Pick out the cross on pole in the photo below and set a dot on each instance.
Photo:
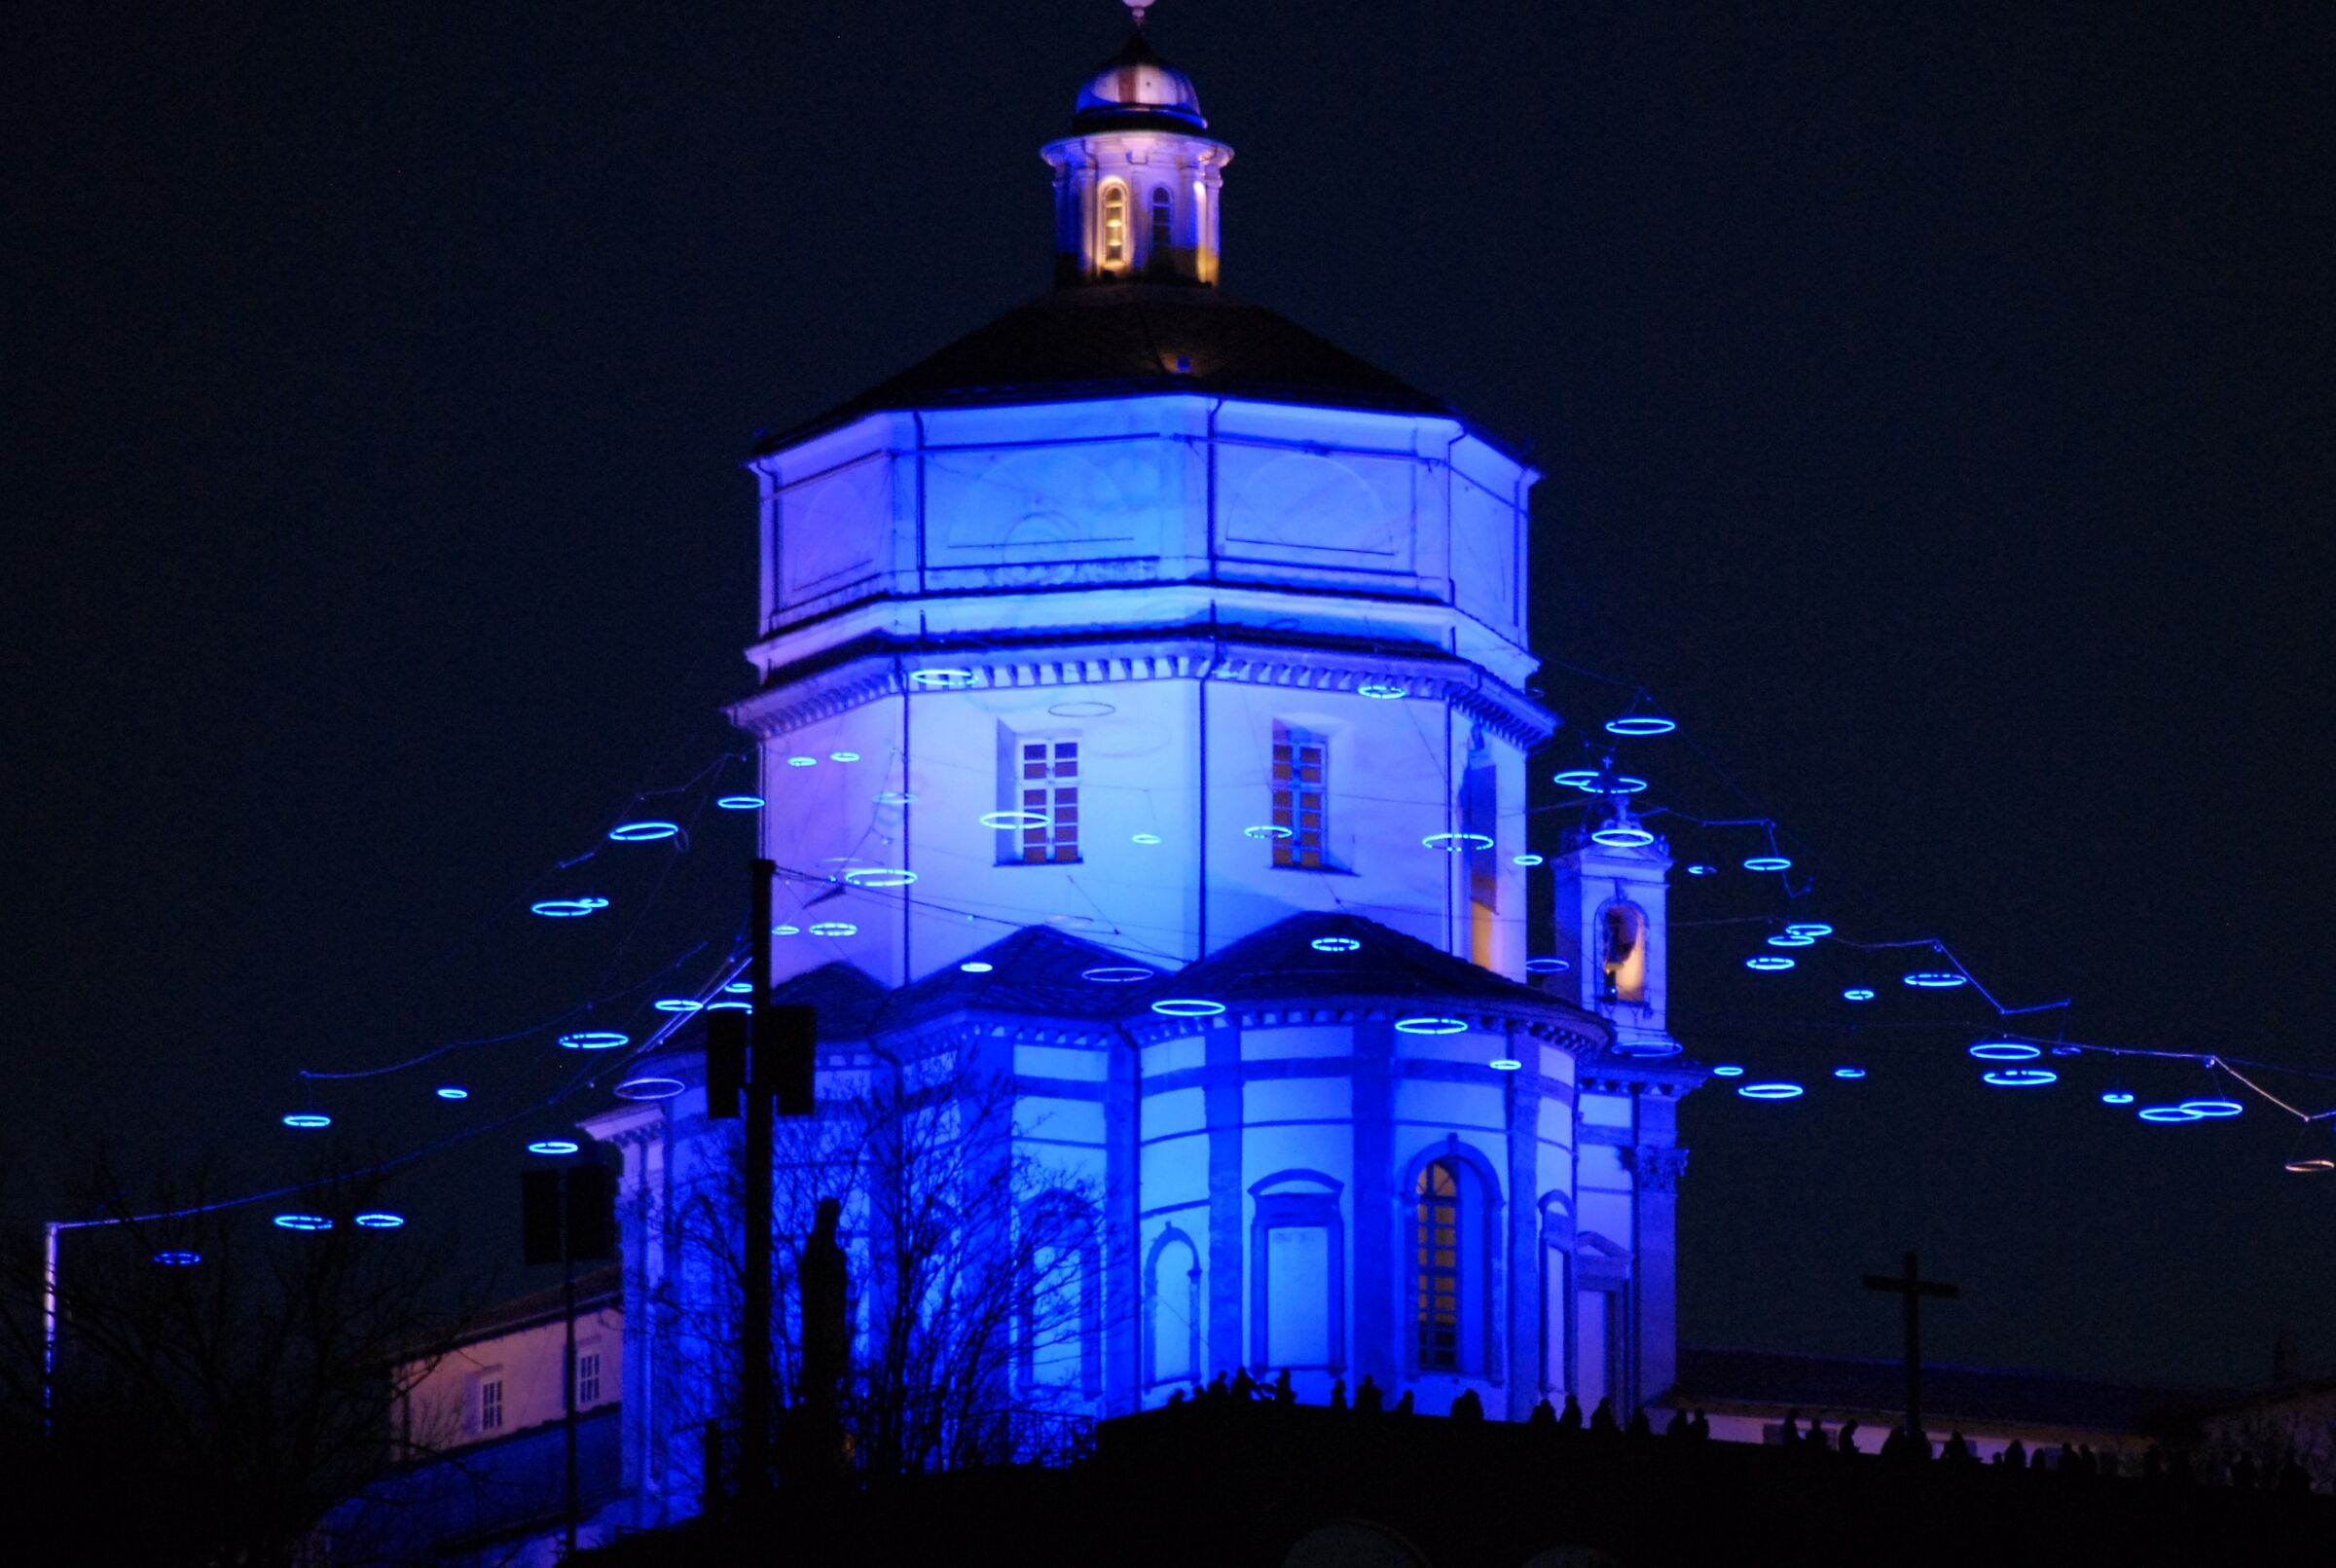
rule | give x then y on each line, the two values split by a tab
1913	1286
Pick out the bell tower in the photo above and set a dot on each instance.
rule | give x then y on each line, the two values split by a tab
1136	183
1613	884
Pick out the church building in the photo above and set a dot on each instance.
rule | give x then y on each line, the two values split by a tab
1143	715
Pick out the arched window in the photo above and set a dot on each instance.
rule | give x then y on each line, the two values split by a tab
1115	224
1623	953
1436	1271
1162	225
1172	1310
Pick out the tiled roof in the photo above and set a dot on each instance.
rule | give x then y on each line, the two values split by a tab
1037	970
1117	340
1282	964
848	999
1972	1395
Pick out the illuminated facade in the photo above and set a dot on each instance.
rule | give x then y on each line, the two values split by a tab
1140	648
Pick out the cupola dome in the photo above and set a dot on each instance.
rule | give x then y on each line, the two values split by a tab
1136	90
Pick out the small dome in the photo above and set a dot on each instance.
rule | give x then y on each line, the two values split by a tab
1136	90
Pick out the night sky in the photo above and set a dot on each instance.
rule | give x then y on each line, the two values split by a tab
1935	411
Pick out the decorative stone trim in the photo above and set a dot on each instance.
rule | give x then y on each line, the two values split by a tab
1657	1166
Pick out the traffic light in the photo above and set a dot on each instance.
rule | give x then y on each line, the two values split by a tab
725	1063
539	1206
591	1212
787	1041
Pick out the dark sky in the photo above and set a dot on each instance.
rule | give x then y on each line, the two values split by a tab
1935	409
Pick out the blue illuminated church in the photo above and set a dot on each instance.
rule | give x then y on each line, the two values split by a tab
1143	710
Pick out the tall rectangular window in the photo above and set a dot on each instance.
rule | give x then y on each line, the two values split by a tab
491	1403
588	1377
1300	797
1044	792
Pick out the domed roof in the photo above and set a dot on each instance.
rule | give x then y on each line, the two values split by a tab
1136	90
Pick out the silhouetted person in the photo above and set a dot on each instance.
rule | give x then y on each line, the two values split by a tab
1543	1417
2038	1460
1217	1386
1245	1387
1402	1406
1848	1438
1284	1393
1957	1450
1338	1394
1601	1419
1369	1399
1699	1428
2088	1462
2015	1455
1676	1427
1176	1399
1569	1419
1467	1406
1893	1447
2064	1466
1815	1440
1640	1426
1790	1436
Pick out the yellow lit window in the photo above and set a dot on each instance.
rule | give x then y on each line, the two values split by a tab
1114	225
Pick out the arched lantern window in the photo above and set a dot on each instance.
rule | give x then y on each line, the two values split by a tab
1115	224
1623	953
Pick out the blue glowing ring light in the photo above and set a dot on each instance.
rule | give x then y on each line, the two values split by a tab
729	1007
178	1260
1640	724
1615	784
567	908
834	927
1187	1008
1848	1071
643	832
801	761
1267	830
1574	778
943	679
1528	861
379	1219
648	1089
787	930
676	1004
1811	929
2116	1097
1115	973
1788	939
1934	980
1727	1070
306	1119
1768	862
843	756
1429	1024
1769	963
2005	1050
1014	819
1547	964
977	966
1505	1064
2213	1108
740	802
1857	993
2168	1114
552	1145
304	1222
1457	843
1145	838
1623	838
1385	691
1334	944
452	1091
593	1040
1772	1090
1698	869
740	988
895	797
880	876
2019	1077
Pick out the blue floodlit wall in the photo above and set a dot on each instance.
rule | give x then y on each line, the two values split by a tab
1177	585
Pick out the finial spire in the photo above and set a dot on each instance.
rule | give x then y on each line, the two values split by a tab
1136	10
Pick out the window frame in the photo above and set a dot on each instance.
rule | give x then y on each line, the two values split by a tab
1112	252
1431	1278
1289	792
1019	792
